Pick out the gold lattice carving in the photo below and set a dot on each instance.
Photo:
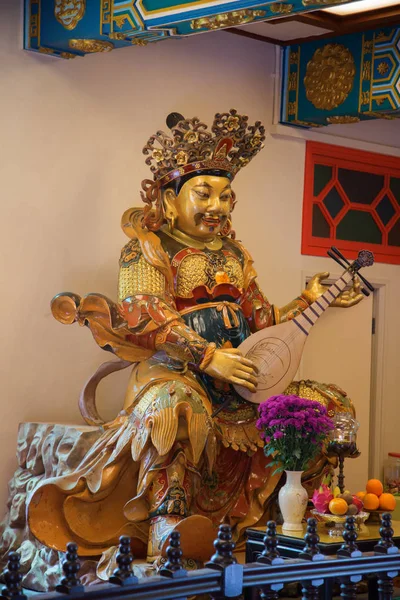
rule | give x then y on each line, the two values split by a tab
329	76
292	106
140	278
91	46
69	12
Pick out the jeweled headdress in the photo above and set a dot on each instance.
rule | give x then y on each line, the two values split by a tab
191	148
229	146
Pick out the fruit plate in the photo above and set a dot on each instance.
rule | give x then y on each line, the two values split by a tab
335	523
375	516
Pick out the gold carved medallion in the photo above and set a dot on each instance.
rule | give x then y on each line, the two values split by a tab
69	12
329	76
89	46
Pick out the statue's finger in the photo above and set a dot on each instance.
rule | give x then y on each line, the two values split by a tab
322	276
243	383
249	363
246	376
246	369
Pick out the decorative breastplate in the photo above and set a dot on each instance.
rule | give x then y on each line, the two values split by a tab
202	268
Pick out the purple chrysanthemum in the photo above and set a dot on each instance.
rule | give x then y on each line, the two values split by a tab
294	430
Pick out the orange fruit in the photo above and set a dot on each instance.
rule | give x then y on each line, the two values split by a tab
338	506
361	495
387	502
371	501
374	486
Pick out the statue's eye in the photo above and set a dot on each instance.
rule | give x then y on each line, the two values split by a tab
226	197
203	195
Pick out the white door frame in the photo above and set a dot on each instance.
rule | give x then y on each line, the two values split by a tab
378	360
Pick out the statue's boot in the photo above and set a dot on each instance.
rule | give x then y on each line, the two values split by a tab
197	537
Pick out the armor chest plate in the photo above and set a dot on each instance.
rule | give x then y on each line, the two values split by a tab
196	268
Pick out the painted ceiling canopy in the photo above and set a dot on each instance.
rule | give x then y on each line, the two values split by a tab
69	28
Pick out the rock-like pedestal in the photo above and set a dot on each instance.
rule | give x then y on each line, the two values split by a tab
43	450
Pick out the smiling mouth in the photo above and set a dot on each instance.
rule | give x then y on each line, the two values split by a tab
210	221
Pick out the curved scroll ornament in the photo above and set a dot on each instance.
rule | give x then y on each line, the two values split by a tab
330	76
69	12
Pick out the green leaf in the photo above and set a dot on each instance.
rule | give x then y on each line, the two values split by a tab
269	451
277	470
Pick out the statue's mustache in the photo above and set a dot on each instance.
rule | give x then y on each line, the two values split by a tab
199	216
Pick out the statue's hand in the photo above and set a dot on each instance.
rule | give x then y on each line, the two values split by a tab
229	365
315	289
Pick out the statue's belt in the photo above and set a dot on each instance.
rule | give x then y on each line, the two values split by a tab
228	310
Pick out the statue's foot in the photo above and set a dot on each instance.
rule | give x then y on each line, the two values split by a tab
197	536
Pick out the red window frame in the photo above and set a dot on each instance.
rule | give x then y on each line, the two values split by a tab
359	160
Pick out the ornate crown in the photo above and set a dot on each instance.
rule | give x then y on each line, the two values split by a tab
229	146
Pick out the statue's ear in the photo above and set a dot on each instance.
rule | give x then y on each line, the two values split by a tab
169	198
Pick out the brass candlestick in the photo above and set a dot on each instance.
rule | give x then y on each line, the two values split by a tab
342	442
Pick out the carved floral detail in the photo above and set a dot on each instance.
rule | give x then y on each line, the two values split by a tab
91	46
281	8
342	119
383	68
230	19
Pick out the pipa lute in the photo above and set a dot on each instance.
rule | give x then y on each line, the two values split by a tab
277	350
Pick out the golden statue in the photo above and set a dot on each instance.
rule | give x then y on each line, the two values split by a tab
184	453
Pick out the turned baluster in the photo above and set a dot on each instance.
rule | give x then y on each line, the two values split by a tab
12	578
224	560
270	556
386	546
174	566
70	583
348	584
123	574
310	588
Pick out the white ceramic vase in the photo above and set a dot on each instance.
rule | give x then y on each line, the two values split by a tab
293	500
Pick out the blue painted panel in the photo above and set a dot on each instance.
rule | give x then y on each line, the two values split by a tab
315	72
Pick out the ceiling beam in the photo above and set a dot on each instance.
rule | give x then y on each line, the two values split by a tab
316	18
254	36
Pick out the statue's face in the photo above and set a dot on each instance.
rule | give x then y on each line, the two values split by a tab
202	207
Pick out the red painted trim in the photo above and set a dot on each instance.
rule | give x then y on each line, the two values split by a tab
347	158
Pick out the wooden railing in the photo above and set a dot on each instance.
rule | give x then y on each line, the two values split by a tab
223	577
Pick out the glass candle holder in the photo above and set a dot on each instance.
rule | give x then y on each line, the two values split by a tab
343	442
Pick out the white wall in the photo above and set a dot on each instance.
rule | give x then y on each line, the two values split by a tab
71	163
